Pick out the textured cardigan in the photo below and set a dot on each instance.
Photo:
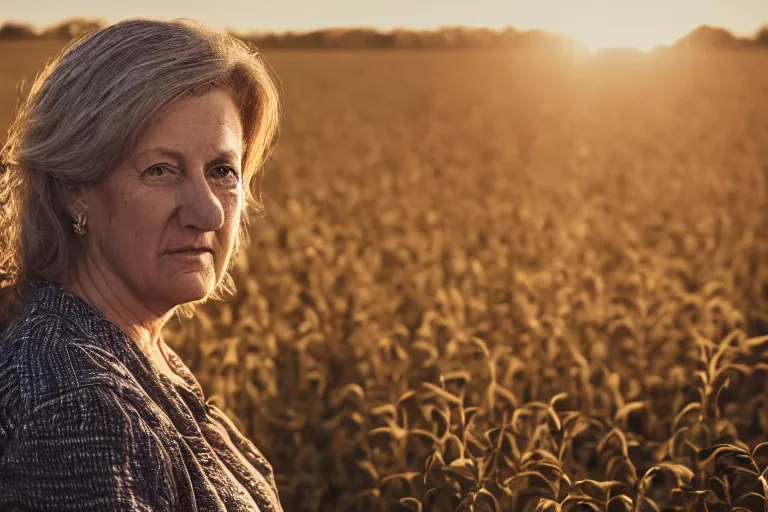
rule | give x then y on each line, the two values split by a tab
88	422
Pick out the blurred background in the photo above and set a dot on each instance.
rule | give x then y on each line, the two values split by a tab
514	256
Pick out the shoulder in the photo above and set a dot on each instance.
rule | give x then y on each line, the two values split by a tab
87	449
43	355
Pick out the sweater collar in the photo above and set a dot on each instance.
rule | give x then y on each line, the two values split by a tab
54	297
57	298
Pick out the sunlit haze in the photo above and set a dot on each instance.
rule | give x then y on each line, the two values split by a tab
640	24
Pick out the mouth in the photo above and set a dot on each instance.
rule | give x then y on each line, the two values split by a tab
192	252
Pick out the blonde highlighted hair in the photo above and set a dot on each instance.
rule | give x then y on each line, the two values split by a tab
86	111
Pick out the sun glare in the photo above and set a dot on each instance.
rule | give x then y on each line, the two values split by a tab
609	38
597	42
604	24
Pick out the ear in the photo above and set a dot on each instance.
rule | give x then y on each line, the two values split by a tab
75	202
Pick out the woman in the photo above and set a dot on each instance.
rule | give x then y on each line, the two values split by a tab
126	181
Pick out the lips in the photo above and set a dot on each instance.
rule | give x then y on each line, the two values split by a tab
192	250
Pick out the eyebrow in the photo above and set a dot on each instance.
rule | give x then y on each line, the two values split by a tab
223	157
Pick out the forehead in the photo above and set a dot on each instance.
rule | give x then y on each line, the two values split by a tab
211	118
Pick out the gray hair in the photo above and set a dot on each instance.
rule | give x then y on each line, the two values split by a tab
86	111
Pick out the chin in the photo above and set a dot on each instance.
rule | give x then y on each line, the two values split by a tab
190	288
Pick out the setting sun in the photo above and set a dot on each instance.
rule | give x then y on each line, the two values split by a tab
642	37
642	25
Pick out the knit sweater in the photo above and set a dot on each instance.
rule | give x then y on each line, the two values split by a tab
89	422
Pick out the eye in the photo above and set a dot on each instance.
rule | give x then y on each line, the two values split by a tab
224	172
157	170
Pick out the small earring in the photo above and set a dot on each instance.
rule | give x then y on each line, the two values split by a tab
79	226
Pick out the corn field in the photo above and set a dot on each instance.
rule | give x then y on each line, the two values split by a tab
501	282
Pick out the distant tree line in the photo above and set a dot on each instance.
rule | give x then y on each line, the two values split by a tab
703	37
65	30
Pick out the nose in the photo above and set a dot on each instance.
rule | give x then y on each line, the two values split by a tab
200	207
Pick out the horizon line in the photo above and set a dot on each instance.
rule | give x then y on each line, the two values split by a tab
388	28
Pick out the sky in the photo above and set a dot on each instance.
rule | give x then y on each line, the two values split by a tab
639	24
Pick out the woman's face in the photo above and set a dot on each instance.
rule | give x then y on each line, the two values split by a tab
180	188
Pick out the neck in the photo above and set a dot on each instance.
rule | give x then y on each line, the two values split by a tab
114	299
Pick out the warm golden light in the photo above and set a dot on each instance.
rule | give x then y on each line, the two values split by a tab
613	37
640	25
598	24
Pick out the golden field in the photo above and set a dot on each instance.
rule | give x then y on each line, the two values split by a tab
496	281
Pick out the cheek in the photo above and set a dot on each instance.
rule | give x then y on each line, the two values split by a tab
233	210
139	220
